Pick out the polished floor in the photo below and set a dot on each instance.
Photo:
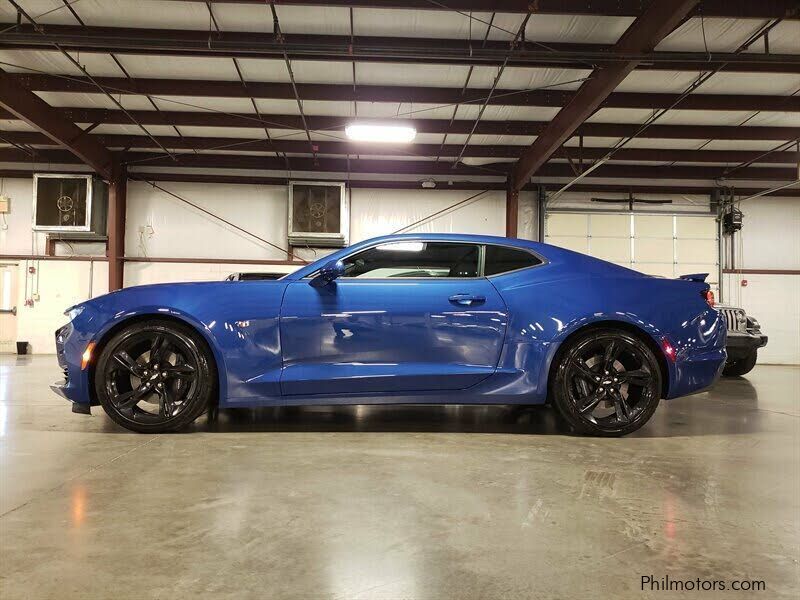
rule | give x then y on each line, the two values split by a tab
398	502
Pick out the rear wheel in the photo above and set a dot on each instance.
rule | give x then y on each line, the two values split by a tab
155	376
607	383
742	366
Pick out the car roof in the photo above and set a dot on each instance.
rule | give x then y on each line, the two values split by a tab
546	251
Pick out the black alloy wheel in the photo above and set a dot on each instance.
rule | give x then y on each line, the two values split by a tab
608	383
155	376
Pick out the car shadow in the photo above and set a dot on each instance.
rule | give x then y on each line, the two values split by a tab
509	419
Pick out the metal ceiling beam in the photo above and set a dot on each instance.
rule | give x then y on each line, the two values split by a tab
736	157
194	177
644	34
27	106
332	125
383	93
243	44
762	9
401	167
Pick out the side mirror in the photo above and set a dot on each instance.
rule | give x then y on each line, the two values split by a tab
329	271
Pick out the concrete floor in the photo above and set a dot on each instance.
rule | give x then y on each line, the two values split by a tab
398	502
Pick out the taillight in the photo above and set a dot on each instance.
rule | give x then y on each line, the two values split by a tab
708	295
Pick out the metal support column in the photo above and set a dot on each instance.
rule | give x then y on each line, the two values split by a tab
117	203
512	212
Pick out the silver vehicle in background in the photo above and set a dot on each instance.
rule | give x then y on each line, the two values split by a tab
744	340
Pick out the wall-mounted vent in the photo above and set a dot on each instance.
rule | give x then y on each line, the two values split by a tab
319	214
68	203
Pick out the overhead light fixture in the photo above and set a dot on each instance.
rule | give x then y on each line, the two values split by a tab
371	132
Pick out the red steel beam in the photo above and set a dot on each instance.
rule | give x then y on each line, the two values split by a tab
761	9
421	150
383	93
27	106
643	35
332	124
248	44
117	207
405	167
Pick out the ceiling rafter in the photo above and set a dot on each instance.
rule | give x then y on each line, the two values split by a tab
332	126
785	156
27	106
243	44
763	9
403	167
642	35
388	93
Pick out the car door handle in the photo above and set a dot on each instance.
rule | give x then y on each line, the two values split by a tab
467	299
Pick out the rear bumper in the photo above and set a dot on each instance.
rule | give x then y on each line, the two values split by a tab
740	345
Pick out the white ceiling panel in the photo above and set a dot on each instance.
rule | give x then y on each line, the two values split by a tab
516	113
43	11
409	74
762	145
129	129
201	104
777	84
232	132
784	38
416	23
178	67
781	119
721	35
27	61
578	28
491	140
620	115
94	100
704	117
657	81
310	107
519	78
9	125
142	13
659	144
329	20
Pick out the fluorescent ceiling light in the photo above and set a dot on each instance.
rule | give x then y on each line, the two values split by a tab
365	132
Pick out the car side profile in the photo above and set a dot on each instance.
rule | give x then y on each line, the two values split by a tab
438	318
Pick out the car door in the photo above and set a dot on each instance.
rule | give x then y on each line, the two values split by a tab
405	317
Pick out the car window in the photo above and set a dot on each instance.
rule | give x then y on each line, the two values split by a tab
501	259
399	260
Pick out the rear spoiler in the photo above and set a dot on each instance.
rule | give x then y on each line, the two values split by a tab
699	277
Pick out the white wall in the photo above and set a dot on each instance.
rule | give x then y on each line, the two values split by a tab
161	226
770	240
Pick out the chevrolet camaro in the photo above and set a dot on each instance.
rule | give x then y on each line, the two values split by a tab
453	319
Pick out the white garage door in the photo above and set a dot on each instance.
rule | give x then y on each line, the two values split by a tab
666	245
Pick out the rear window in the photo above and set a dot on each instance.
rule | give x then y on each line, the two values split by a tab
502	259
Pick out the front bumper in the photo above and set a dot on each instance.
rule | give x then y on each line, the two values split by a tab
74	386
740	345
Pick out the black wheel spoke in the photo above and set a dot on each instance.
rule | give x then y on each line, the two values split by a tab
166	405
128	400
125	359
588	403
158	348
621	409
638	377
584	370
180	372
610	355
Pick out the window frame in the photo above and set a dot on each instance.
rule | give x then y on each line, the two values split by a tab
481	262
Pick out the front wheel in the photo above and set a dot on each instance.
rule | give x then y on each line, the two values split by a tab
742	366
155	376
607	383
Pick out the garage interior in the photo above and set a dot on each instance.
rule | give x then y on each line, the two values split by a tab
660	136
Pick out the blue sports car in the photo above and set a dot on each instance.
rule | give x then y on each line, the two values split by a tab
459	319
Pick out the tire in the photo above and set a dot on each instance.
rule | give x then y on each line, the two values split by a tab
742	366
155	376
607	383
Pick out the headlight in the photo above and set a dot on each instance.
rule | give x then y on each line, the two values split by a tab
72	312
